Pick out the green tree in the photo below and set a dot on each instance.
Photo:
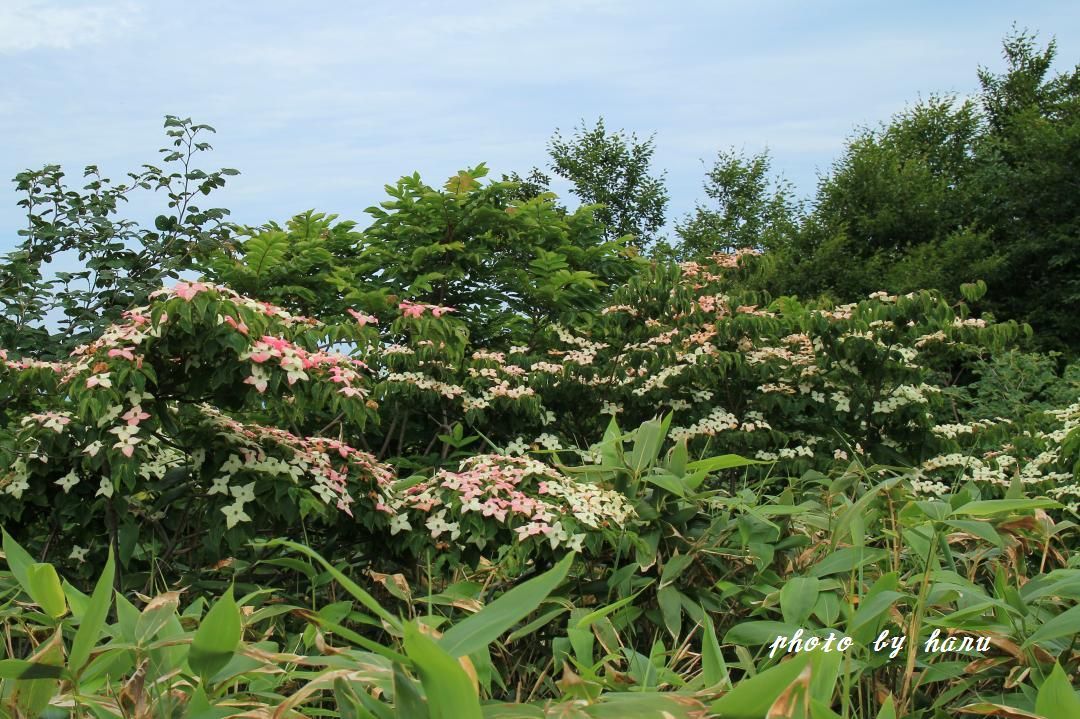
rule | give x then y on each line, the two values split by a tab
896	211
49	313
1029	162
753	208
508	266
308	266
613	170
950	191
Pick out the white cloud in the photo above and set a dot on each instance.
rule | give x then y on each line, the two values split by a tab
31	24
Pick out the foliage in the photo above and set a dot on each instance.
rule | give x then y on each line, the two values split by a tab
536	475
752	210
612	170
50	314
164	431
307	267
507	266
950	192
1028	154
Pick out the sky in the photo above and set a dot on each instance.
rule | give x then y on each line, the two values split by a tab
320	104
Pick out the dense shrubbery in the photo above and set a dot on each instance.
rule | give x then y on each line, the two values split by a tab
549	478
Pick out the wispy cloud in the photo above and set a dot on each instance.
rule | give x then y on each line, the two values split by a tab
32	24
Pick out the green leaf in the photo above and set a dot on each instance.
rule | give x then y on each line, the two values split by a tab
982	530
18	560
217	638
989	507
587	620
93	619
265	251
1063	625
888	709
723	461
155	615
46	590
670	600
1056	698
713	667
647	441
496	618
33	695
450	693
22	669
755	633
798	597
751	698
846	560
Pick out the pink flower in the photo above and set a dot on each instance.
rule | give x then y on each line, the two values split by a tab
124	352
259	357
440	311
240	327
135	415
258	381
276	342
188	290
362	319
411	309
98	380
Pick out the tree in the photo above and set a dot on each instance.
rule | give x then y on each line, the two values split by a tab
896	212
754	210
509	267
949	192
1028	165
613	169
123	262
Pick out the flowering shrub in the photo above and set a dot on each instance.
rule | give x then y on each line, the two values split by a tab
167	425
1039	455
170	427
497	502
782	381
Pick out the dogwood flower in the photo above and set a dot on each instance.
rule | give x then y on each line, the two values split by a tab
220	485
234	513
68	481
105	488
244	494
98	380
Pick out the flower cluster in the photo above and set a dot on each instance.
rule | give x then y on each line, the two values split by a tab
493	494
295	361
416	309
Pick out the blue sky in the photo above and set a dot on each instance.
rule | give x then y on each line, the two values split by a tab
319	104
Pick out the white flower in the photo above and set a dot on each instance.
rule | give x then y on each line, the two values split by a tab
232	465
78	553
16	488
219	486
400	523
93	448
610	408
234	513
112	413
68	481
518	446
325	493
105	488
549	441
244	494
438	524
